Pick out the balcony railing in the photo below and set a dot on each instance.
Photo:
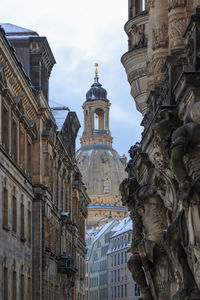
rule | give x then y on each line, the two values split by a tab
66	265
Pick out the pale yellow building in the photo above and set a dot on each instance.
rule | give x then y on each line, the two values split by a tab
101	166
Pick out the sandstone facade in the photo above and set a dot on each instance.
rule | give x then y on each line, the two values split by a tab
100	165
162	190
43	203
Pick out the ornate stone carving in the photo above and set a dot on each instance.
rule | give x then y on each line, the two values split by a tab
176	3
176	28
147	211
160	37
136	36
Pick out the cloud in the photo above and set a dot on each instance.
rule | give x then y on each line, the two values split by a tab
81	33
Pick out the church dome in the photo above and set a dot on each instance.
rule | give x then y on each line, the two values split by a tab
96	92
102	170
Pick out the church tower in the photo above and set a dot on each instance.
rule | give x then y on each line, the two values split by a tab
101	166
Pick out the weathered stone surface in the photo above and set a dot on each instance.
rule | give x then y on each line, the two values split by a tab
163	194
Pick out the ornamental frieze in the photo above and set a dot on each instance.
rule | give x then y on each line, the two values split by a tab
137	74
160	37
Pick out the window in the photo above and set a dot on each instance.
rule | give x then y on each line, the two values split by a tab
111	276
29	288
51	236
118	288
139	6
115	292
22	287
122	258
125	290
125	271
112	292
21	149
122	274
29	159
111	261
29	226
115	260
5	128
115	275
118	274
22	219
125	256
137	290
122	291
106	186
118	258
14	141
5	283
46	232
14	286
14	213
5	207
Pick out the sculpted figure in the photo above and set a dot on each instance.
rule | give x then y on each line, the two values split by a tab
149	263
181	239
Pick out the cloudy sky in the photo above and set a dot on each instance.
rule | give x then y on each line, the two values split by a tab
81	33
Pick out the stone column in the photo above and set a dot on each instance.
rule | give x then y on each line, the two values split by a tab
177	25
157	40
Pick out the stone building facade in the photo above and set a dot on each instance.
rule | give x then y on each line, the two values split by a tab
43	203
96	261
101	166
163	186
120	281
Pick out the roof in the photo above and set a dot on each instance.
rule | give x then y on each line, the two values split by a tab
12	29
60	116
95	234
124	226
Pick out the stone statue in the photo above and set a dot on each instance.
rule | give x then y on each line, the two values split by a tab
149	263
182	238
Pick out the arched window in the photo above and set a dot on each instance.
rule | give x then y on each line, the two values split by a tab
107	186
99	119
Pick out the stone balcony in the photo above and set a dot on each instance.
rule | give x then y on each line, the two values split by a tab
66	265
135	60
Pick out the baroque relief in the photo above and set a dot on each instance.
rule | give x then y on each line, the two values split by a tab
136	36
160	37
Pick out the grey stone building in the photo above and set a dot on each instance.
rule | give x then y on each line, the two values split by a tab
43	203
120	281
96	261
162	190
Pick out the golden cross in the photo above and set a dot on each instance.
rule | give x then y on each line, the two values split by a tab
96	70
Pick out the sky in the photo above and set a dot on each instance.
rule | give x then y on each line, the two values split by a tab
81	33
